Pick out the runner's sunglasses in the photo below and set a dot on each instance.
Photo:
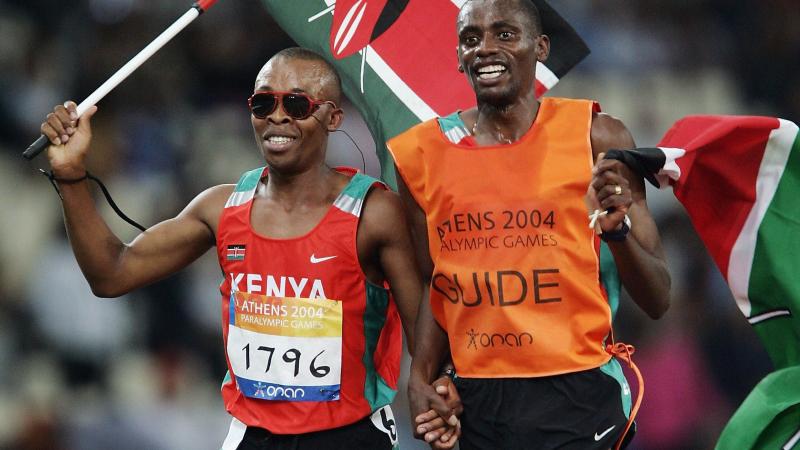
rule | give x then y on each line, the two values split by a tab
296	105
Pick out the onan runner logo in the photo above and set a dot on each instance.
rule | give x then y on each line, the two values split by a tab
277	392
485	340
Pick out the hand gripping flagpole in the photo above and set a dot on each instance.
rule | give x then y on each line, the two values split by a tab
197	8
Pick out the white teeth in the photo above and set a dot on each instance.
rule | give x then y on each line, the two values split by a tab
280	139
489	76
492	68
491	72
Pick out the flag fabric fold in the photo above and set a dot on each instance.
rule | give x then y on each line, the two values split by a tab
397	58
738	177
739	180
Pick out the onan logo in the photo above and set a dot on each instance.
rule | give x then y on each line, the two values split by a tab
278	392
498	339
273	391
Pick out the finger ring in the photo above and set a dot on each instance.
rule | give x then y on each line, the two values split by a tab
618	190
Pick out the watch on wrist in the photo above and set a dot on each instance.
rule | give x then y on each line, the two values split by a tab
618	235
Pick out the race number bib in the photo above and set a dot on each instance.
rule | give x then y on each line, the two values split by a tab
285	348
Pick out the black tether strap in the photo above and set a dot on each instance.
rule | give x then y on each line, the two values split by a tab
110	201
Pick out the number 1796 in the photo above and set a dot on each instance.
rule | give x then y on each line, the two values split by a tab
291	356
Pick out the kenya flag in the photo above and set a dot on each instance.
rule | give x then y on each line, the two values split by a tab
397	58
739	180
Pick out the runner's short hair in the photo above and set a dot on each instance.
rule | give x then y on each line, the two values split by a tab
528	9
305	54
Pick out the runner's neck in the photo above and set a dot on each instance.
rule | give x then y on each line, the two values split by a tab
318	186
490	125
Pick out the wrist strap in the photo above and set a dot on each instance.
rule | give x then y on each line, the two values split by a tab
51	176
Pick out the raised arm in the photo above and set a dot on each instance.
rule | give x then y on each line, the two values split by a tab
640	257
112	267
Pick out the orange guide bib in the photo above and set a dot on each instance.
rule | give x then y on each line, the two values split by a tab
516	279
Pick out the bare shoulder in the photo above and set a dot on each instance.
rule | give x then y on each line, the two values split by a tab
381	203
380	228
208	205
382	213
608	132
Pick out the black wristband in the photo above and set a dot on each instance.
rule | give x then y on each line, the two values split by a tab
617	235
449	373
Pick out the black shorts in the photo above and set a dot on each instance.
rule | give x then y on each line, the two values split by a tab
582	410
375	432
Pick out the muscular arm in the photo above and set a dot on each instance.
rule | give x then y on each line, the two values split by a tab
112	267
431	349
385	246
639	258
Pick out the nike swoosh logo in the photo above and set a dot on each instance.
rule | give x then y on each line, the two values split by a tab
315	260
597	437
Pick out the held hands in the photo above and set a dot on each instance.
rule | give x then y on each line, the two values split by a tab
69	138
435	409
609	195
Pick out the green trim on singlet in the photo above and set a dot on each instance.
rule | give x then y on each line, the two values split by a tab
245	188
351	199
226	379
376	391
453	127
613	369
447	123
359	185
249	180
609	277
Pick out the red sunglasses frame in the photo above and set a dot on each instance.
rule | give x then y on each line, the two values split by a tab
313	103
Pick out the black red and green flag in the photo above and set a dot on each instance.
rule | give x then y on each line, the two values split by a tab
739	180
397	58
738	177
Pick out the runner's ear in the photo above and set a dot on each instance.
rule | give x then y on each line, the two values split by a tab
335	119
542	47
458	56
